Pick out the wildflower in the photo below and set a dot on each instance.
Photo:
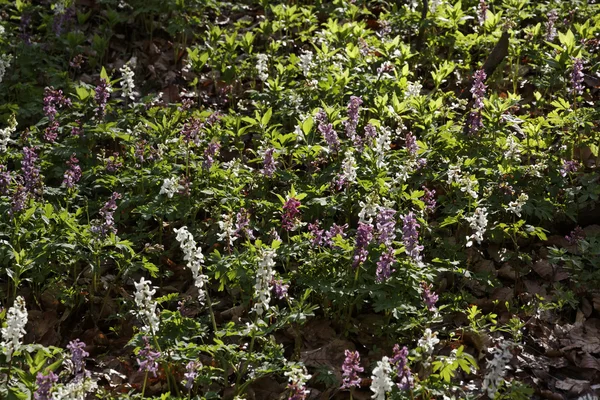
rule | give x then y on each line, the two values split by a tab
318	234
170	186
51	132
269	165
568	167
76	61
290	213
190	130
364	236
101	96
468	185
482	12
382	145
429	297
400	362
4	179
577	77
78	353
386	225
306	62
381	383
146	306
127	82
280	289
384	265
73	174
53	99
209	153
413	89
454	174
5	60
30	171
516	206
411	144
351	368
410	236
147	358
191	373
77	389
434	4
107	211
575	236
335	230
478	222
194	257
77	130
19	198
264	277
429	200
496	368
385	69
512	148
297	378
44	385
13	333
478	89
228	230
348	174
262	67
427	343
242	224
353	113
7	132
550	27
330	136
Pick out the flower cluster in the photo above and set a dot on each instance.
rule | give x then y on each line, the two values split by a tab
73	174
5	60
410	236
403	372
170	186
262	67
330	136
192	253
550	27
577	77
496	368
6	133
146	306
516	206
297	378
381	383
30	171
44	385
351	367
147	358
429	200
264	277
575	236
280	289
209	154
482	12
13	333
242	224
364	236
127	82
478	222
478	91
4	179
568	167
348	174
429	297
107	225
290	213
101	96
191	373
54	99
78	353
353	113
269	164
384	265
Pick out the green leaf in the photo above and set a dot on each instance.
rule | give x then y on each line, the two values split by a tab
267	117
103	74
82	93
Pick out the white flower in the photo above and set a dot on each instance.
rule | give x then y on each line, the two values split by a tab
6	133
588	397
228	230
261	67
297	374
496	368
349	167
16	319
434	4
194	257
127	83
512	148
428	341
77	389
5	60
146	306
368	209
517	205
262	286
382	144
468	184
478	222
454	174
170	186
306	62
381	382
413	89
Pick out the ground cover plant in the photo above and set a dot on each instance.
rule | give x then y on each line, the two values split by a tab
339	199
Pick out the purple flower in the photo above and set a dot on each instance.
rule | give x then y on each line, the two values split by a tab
351	368
53	99
78	353
242	224
386	225
429	297
321	117
330	136
44	384
112	163
481	12
411	144
475	122
400	362
297	392
191	373
73	174
209	153
19	198
31	172
429	200
575	236
364	236
568	167
4	179
577	77
51	132
478	89
410	236
76	61
290	212
190	130
268	163
101	97
279	288
353	112
77	130
333	231
147	358
384	265
317	233
107	211
550	28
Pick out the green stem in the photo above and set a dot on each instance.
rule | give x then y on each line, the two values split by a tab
145	381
